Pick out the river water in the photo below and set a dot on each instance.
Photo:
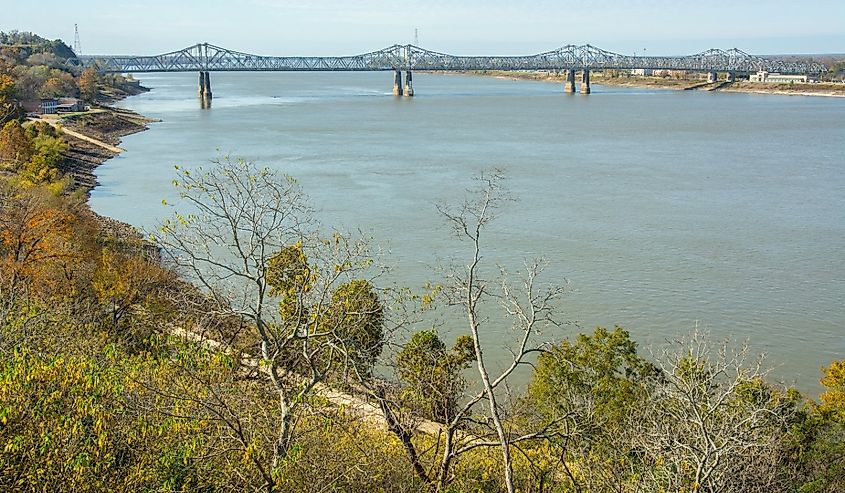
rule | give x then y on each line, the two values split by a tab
664	210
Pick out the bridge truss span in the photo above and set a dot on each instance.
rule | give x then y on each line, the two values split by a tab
206	57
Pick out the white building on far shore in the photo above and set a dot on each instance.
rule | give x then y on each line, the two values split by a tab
642	72
775	78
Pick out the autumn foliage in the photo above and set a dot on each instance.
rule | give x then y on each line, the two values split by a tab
107	384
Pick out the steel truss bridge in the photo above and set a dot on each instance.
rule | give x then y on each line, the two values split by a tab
206	57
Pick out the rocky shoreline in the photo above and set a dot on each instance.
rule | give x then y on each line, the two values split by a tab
107	124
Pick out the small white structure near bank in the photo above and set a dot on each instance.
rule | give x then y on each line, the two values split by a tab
775	78
642	72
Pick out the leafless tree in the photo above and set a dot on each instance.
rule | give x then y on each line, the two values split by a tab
524	303
252	246
711	417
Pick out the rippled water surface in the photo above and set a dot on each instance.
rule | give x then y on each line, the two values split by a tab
663	209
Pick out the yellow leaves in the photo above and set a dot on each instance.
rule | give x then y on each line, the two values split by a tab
123	279
251	450
182	220
7	85
288	272
833	399
57	405
433	291
35	152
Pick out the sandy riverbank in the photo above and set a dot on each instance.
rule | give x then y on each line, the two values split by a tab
821	89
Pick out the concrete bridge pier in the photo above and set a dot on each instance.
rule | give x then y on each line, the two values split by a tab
397	82
712	77
409	84
569	85
207	93
585	82
730	77
204	90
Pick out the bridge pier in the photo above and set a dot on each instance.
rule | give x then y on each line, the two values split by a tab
730	77
207	93
585	82
569	85
712	77
397	82
409	84
205	85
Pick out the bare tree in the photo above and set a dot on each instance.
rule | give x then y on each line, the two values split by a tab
711	417
433	397
251	244
527	306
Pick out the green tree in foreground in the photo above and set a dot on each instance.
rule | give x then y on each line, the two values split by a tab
432	374
592	388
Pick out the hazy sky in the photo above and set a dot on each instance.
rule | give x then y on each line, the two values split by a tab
332	27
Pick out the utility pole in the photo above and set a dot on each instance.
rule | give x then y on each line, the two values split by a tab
77	44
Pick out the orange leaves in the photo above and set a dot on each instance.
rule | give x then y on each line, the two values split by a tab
36	234
15	145
88	84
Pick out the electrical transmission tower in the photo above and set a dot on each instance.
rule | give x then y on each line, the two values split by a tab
416	36
77	44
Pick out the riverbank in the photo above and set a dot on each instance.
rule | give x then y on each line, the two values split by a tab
98	133
106	125
820	89
92	139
